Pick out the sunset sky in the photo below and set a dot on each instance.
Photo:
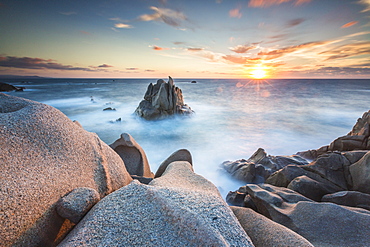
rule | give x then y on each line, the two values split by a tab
185	38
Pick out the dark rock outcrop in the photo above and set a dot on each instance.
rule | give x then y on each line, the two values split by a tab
260	166
5	87
360	174
357	139
162	100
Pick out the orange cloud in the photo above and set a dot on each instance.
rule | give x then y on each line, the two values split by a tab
242	48
290	49
268	3
235	13
157	48
348	50
349	24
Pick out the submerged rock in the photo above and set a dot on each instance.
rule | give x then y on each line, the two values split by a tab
161	100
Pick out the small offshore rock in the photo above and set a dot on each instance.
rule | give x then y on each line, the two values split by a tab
109	109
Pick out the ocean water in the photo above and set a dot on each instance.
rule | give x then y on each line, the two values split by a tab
232	119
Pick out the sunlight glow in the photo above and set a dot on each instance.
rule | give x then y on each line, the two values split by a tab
258	73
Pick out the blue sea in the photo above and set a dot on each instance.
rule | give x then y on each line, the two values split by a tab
232	119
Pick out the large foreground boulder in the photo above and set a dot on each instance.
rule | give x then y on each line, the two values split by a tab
179	208
44	156
162	100
323	224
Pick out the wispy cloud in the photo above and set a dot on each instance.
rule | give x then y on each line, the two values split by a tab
235	13
348	50
366	3
36	63
170	17
149	70
195	49
132	68
294	22
179	43
122	25
157	48
349	24
105	66
85	33
290	49
269	3
242	48
68	13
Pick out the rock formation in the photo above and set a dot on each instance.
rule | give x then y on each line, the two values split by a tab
43	156
260	166
161	100
179	208
357	139
5	87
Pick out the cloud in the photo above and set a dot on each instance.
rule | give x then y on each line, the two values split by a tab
195	49
241	60
365	2
105	66
168	16
122	25
268	3
132	68
242	48
157	48
294	22
149	70
68	13
290	49
344	70
349	24
179	43
348	50
36	63
86	33
235	13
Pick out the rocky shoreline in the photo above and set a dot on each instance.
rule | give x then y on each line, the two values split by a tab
62	185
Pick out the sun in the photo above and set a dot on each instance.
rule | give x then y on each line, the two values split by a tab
258	73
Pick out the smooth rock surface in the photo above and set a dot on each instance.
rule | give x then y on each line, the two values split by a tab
180	208
132	155
322	224
360	174
75	204
267	233
179	155
43	156
349	198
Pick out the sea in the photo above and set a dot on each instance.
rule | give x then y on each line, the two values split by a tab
232	119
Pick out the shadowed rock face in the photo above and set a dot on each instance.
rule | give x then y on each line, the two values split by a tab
161	100
43	156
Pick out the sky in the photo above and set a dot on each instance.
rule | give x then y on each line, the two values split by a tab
185	38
